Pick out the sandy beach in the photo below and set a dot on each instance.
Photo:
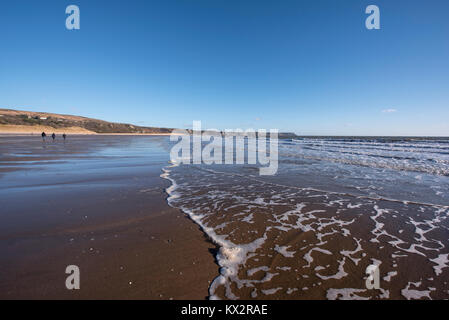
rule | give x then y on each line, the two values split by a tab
140	227
82	203
37	130
15	130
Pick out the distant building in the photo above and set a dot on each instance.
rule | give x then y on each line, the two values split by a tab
43	118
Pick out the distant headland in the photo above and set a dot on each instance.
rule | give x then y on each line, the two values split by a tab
23	122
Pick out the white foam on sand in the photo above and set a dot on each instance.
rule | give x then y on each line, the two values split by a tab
291	290
325	225
349	254
442	262
339	275
230	256
411	294
390	275
249	218
345	294
270	291
253	271
284	251
308	255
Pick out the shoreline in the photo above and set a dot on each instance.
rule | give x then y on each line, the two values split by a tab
171	194
22	130
19	134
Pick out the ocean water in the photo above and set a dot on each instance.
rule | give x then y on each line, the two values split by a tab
335	206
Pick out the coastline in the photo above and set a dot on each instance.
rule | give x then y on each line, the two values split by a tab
37	130
10	130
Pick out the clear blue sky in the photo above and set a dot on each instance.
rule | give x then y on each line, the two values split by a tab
305	66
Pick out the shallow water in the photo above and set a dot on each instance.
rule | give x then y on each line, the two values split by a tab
334	207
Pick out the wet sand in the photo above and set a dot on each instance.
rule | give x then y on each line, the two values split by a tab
285	242
98	203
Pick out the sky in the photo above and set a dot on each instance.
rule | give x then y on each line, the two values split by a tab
304	66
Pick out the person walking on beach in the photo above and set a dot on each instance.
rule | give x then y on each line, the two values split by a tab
53	136
43	136
64	136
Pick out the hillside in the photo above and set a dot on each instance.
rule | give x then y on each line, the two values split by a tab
15	121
